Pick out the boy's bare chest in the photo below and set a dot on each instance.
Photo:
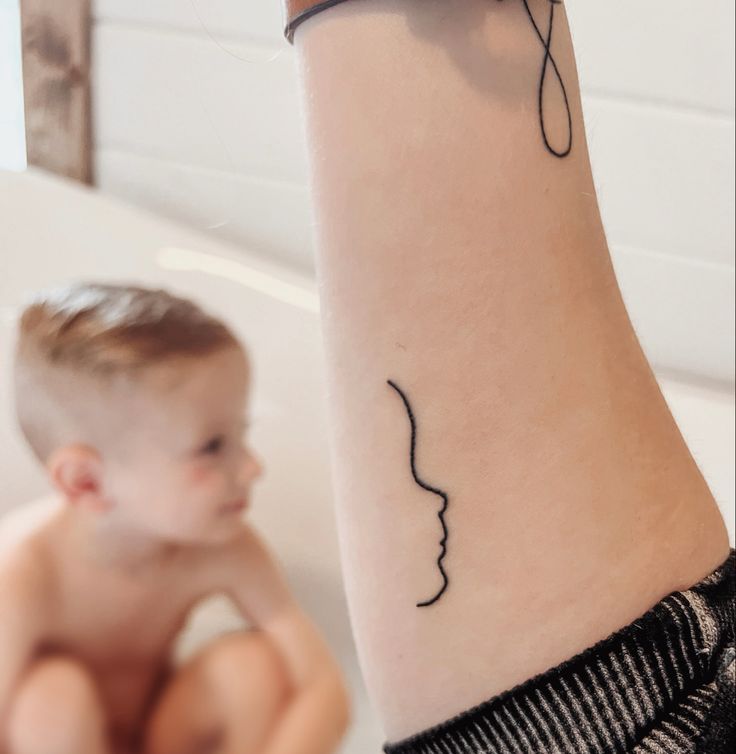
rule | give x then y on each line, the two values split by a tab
123	628
113	621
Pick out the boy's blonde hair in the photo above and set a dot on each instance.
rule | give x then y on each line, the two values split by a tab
90	334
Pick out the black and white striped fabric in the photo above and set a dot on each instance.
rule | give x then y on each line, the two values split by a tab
664	684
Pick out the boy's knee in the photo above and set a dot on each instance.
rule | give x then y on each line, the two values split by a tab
56	703
235	687
248	658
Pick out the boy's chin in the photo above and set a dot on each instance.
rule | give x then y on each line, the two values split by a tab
216	536
211	536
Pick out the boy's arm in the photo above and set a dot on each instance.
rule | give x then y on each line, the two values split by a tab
21	621
319	710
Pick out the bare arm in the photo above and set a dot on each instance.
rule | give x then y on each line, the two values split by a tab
318	714
510	484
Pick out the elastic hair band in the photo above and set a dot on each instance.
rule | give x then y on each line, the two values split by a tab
300	10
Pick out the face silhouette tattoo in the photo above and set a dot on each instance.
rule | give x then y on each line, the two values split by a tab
430	488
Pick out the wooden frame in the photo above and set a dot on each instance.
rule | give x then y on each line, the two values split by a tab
56	86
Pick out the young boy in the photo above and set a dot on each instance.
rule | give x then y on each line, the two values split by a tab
135	402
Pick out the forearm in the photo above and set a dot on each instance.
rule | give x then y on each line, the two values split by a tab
460	257
315	720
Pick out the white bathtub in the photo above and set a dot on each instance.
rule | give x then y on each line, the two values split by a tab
52	231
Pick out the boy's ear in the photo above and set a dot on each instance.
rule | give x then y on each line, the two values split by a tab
76	471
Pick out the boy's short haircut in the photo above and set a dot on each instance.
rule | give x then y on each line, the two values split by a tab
101	331
101	328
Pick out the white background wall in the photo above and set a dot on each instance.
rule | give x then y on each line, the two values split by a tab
197	115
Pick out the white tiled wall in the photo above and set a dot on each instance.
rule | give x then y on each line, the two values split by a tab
197	115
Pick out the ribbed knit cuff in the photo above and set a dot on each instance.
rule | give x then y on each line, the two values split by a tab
658	680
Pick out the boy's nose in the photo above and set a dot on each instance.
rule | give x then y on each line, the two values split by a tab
252	467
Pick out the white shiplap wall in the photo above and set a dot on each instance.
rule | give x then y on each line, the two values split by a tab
197	116
12	136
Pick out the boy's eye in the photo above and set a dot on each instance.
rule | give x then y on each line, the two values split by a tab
214	445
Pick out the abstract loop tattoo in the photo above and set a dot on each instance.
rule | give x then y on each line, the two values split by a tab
548	57
422	484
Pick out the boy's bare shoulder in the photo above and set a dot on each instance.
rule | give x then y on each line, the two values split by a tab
245	557
25	590
24	563
247	548
249	571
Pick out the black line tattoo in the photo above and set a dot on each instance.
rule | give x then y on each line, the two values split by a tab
548	57
422	484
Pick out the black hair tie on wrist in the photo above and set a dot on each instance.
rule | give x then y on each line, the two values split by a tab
300	10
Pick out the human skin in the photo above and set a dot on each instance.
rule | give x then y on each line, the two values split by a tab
458	257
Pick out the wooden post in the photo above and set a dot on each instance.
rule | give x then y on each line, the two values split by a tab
56	86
